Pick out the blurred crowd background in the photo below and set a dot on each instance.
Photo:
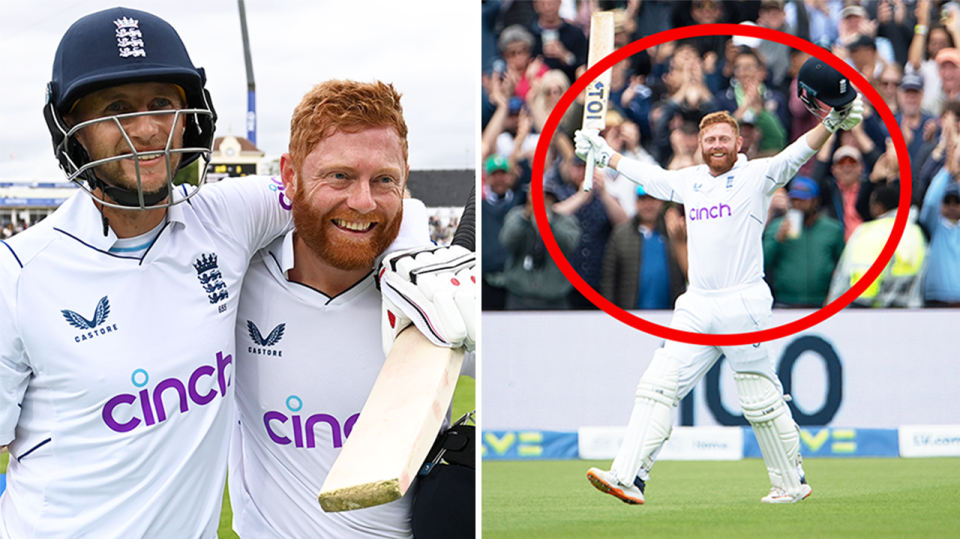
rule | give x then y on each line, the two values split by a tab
823	230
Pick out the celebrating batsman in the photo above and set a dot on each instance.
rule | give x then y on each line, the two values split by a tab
726	202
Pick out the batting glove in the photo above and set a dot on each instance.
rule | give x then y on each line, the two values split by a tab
846	118
589	140
436	290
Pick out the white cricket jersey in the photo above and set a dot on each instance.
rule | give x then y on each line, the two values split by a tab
306	363
725	215
117	373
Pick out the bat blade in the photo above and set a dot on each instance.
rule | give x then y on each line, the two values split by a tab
598	91
397	426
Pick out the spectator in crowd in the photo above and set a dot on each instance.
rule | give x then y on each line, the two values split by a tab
630	143
651	16
886	171
562	45
749	99
932	154
899	283
644	266
684	146
776	56
863	55
888	83
842	186
854	24
510	130
840	177
895	23
522	67
929	38
547	92
597	211
940	216
499	197
948	68
621	188
703	12
688	100
531	277
752	136
799	262
821	18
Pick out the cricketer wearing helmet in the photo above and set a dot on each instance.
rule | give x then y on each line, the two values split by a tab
117	357
726	201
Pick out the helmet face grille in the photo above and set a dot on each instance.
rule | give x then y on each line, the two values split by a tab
77	164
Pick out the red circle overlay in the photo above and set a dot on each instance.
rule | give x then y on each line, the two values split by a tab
731	339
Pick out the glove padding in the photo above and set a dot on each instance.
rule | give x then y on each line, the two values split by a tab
846	118
435	288
589	140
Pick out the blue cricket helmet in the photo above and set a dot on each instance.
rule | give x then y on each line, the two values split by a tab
121	46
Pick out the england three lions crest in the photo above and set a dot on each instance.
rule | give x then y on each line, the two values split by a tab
211	279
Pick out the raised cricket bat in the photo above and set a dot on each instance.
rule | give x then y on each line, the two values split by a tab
598	91
402	416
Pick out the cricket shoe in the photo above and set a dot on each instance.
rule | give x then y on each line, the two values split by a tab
608	482
778	495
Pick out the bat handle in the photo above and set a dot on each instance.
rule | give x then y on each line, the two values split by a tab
588	175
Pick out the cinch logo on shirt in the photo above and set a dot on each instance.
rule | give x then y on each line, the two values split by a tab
277	187
272	339
303	435
151	410
99	317
713	212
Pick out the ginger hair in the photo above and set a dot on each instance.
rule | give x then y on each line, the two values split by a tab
343	105
721	117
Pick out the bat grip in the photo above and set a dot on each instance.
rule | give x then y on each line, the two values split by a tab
466	234
588	175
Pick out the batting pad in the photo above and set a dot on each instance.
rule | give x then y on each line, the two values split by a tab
652	418
777	434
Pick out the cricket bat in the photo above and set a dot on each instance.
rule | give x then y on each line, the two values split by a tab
402	416
598	91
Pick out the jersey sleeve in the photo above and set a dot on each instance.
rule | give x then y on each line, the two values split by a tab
656	182
253	210
782	167
15	369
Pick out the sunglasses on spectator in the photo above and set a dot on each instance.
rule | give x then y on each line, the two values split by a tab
890	82
951	200
847	161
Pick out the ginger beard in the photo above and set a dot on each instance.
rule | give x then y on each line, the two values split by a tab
717	155
719	165
320	233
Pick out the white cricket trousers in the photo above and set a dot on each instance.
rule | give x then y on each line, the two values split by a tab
739	310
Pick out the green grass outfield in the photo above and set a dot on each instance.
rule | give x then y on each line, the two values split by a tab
464	400
852	498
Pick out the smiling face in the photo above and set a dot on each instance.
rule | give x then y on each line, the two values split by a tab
103	140
347	196
719	145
